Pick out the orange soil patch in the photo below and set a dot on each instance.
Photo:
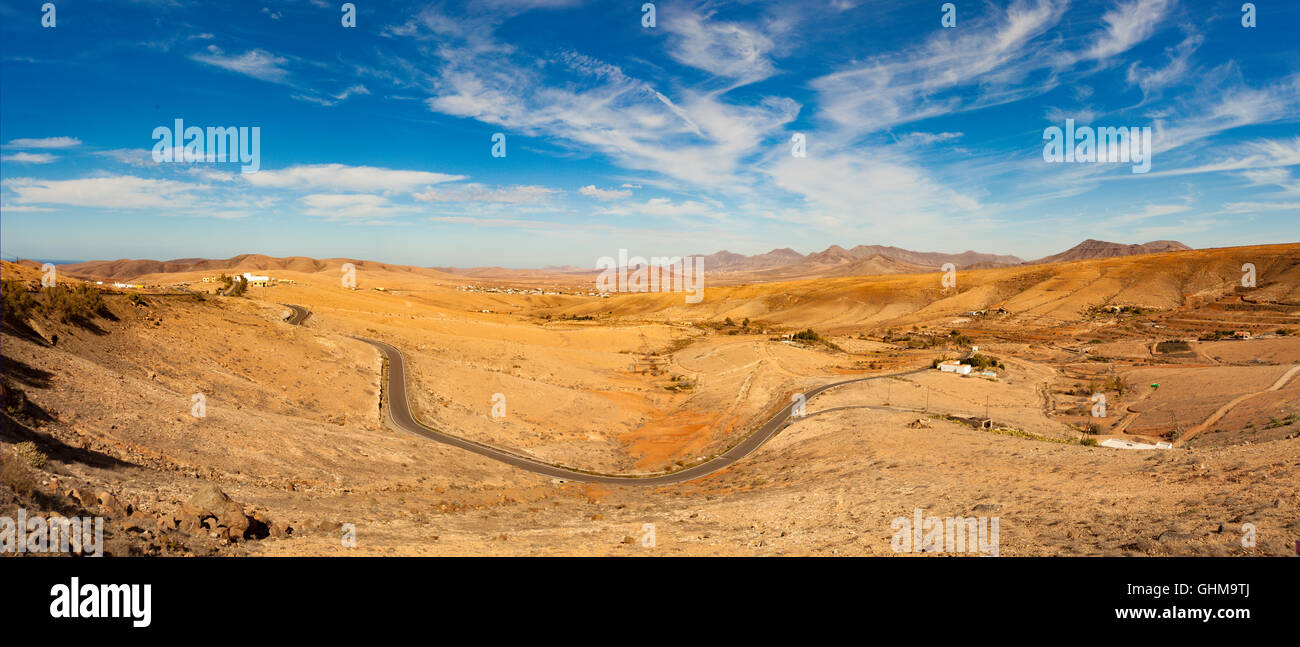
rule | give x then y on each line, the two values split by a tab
659	442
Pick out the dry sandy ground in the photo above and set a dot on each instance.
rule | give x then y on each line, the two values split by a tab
293	428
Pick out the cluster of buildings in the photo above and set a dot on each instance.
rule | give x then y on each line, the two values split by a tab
986	312
122	286
254	280
477	288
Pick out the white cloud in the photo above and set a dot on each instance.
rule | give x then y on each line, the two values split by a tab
1257	207
352	207
1259	154
1176	71
603	194
496	222
256	63
726	49
908	86
339	177
590	105
45	142
355	89
29	158
867	187
109	192
665	208
1126	25
1226	105
524	194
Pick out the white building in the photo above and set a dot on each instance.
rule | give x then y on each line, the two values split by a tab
253	279
954	366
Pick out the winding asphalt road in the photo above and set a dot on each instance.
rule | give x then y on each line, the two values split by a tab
299	314
400	417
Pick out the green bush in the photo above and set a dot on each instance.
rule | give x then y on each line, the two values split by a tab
1117	384
807	335
69	304
18	304
982	361
29	454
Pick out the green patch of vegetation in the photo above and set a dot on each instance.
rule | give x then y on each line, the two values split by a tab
71	304
17	302
982	361
1275	422
676	345
1285	332
1173	346
810	336
30	455
1117	384
15	474
1111	310
680	383
1029	435
136	299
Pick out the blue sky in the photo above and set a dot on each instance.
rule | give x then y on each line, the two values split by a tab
674	139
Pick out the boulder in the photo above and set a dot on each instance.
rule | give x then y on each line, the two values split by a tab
212	510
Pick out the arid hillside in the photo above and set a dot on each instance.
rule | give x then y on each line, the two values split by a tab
101	411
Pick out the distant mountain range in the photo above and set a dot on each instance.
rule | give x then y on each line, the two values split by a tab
862	259
1090	249
124	269
879	259
776	265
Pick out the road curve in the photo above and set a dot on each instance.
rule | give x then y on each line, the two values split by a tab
399	415
299	314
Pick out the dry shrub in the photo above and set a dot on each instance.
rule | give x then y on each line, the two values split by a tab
15	474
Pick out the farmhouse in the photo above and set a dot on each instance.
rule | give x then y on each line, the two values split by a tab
954	366
257	281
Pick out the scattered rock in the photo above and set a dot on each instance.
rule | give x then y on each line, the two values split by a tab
210	509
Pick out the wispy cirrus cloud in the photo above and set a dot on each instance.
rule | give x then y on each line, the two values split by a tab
914	84
256	63
341	177
45	142
29	158
1126	25
523	194
113	191
604	194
